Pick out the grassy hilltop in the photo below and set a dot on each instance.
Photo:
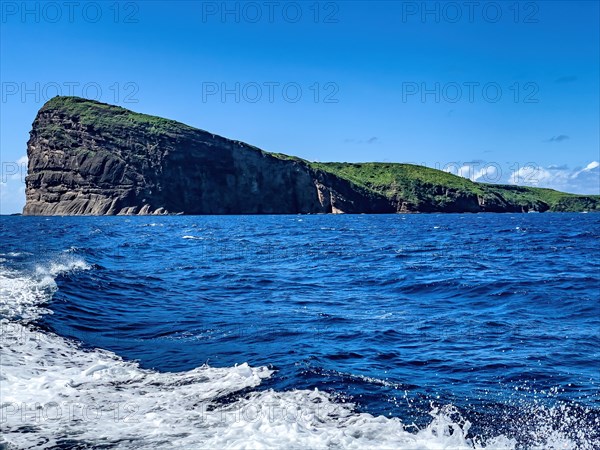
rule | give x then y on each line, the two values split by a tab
417	184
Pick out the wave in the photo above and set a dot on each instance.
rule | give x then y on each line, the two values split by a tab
56	394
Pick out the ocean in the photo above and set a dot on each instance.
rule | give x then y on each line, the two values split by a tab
453	331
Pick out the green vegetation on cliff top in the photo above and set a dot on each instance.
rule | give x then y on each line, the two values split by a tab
418	183
101	115
413	183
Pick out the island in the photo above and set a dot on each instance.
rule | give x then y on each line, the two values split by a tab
90	158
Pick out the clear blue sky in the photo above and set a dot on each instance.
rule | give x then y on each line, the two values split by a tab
361	69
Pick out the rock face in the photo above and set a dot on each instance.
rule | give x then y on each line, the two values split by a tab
87	157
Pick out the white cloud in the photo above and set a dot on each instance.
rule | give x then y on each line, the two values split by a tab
592	165
581	180
12	185
589	168
578	181
12	197
476	171
486	174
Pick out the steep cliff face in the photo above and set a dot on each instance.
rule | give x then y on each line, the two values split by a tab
87	157
90	158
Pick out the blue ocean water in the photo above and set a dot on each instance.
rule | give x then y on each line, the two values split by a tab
497	315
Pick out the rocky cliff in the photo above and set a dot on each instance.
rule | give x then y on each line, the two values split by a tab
87	157
90	158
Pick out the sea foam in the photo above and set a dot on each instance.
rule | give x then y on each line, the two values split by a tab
55	393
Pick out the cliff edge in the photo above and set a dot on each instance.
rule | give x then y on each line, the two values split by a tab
91	158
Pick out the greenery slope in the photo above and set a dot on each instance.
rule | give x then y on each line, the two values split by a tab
419	185
105	116
423	188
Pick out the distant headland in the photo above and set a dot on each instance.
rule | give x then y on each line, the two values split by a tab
91	158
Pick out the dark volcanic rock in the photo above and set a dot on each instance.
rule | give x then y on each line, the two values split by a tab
87	157
90	158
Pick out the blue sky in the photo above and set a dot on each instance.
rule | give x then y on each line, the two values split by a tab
495	91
